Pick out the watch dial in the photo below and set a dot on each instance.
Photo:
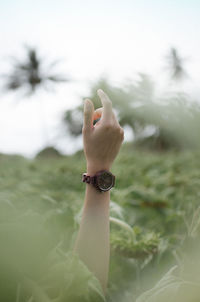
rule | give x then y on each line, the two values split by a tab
105	181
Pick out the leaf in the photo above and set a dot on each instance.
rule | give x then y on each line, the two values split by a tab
168	282
171	288
116	210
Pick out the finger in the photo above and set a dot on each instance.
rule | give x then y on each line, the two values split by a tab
115	118
88	115
107	105
97	113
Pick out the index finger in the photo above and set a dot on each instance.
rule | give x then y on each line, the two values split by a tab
88	115
107	105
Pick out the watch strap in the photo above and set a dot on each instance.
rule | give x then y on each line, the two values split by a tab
88	179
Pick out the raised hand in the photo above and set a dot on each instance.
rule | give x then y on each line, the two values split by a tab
102	141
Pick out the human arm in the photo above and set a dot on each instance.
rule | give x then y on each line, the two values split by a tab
101	145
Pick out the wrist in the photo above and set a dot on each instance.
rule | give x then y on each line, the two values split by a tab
94	168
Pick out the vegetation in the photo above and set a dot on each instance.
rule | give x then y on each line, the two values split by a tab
158	122
154	209
154	226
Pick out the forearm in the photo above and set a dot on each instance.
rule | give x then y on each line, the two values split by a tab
101	142
93	238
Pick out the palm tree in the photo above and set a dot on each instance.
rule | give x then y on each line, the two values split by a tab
30	74
176	65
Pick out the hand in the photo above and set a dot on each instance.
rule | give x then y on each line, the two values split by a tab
102	141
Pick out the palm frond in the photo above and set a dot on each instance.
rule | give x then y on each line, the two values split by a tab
176	65
57	79
31	73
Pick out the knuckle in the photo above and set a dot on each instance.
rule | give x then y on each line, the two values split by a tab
108	126
113	128
117	128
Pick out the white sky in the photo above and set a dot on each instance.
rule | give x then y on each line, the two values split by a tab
94	38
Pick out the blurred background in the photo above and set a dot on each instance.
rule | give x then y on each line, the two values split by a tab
145	56
54	54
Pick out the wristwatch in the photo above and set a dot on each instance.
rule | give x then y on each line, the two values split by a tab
102	180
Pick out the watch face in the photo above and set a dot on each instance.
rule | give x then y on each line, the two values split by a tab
105	181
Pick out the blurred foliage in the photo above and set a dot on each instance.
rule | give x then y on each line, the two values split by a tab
122	100
48	152
155	214
154	226
157	122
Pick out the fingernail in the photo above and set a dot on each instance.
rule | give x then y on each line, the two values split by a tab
100	91
87	103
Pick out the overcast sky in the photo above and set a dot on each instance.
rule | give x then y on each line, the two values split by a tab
93	38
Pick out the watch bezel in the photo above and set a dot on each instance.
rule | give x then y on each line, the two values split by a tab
98	175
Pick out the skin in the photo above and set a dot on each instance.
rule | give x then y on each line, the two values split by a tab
101	145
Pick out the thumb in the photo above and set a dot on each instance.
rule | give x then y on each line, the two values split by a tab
88	115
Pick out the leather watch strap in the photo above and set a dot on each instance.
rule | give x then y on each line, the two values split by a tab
88	179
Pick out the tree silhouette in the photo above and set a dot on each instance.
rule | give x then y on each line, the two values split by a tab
31	74
176	65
